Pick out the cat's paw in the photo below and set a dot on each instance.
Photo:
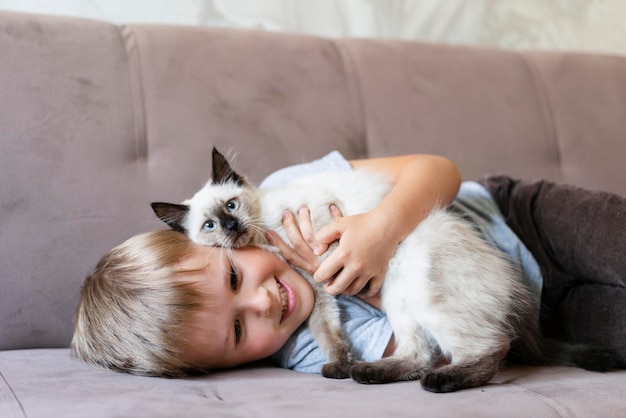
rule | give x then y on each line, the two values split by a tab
365	373
385	371
336	370
441	382
434	382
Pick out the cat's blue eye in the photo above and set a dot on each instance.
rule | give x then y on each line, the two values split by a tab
232	205
209	225
238	331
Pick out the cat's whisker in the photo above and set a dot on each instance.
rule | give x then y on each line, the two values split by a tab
258	231
222	262
230	255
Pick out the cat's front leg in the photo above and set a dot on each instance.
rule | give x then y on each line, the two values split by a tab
325	326
340	367
387	370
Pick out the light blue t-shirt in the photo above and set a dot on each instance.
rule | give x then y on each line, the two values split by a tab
367	327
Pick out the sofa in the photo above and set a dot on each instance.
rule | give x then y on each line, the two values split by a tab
98	120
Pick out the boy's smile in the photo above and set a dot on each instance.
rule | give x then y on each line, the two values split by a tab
252	303
288	299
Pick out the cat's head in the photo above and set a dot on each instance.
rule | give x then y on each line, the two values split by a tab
224	213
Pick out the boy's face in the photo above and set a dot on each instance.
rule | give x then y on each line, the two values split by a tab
252	306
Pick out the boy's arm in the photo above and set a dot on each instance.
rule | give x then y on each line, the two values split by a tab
368	241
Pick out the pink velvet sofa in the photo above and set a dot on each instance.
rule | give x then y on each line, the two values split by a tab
98	120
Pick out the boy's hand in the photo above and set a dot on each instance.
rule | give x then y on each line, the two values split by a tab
302	238
359	263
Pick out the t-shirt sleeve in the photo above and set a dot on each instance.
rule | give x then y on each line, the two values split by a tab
365	326
333	161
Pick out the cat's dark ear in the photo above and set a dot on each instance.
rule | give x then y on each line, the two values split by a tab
172	214
223	173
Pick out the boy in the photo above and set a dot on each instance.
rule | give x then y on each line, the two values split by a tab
150	305
168	325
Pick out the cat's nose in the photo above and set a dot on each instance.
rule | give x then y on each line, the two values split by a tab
230	224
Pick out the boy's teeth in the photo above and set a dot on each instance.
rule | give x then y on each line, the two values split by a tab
283	297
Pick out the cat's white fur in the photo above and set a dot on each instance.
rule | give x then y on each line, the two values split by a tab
445	286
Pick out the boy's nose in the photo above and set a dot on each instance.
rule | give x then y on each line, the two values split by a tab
261	301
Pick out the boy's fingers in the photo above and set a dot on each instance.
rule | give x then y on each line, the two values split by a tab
285	250
306	227
371	288
330	268
356	286
326	236
374	288
360	286
335	212
293	231
277	242
291	227
340	283
269	236
327	269
290	254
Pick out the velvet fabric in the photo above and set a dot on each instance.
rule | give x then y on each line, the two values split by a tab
99	120
48	383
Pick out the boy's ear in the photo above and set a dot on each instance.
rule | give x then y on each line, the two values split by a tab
172	214
223	173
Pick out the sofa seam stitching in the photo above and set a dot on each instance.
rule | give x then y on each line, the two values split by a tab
15	398
546	109
138	106
354	85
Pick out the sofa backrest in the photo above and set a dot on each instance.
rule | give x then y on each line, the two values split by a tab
98	120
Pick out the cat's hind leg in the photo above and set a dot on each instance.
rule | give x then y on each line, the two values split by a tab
415	354
467	373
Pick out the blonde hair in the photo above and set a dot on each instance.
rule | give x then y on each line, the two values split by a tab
133	307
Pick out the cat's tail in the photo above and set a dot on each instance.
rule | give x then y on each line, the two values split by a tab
533	349
530	347
597	359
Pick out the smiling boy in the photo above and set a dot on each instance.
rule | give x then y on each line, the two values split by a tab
161	305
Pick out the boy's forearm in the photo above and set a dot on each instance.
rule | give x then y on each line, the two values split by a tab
421	183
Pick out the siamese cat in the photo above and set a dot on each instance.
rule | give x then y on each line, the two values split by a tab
456	304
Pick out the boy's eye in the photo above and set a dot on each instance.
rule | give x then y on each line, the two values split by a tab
237	331
233	278
232	205
209	225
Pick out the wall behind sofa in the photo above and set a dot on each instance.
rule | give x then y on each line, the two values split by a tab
585	25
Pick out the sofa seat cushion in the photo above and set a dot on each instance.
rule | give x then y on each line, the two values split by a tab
50	383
